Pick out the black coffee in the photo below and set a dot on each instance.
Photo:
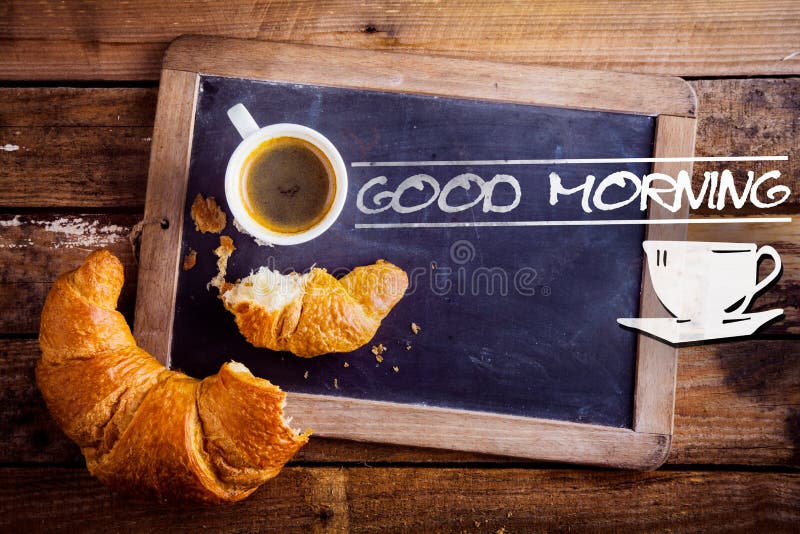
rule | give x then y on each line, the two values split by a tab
288	185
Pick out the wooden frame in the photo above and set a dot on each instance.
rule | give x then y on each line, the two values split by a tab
671	100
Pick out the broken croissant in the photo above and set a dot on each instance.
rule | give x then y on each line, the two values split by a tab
314	313
144	428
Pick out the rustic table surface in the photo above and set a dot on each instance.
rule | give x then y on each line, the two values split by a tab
77	101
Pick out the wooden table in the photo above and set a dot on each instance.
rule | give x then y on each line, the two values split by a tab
78	101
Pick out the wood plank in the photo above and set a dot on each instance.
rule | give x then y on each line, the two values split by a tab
77	59
736	403
416	499
77	502
166	190
76	147
35	249
99	40
110	107
532	500
735	117
88	167
408	73
656	362
524	437
750	118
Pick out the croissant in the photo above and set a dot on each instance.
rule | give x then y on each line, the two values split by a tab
141	427
314	313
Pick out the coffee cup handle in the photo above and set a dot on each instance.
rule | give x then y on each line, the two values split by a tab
244	123
766	250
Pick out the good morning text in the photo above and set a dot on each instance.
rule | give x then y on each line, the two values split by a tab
717	191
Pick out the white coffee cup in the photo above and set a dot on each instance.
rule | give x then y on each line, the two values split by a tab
252	137
699	281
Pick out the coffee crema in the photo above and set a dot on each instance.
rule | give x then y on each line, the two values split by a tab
288	185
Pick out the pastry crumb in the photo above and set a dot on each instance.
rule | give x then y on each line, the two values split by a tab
379	358
378	349
190	260
223	252
305	375
346	364
336	383
509	514
416	328
501	530
433	266
207	215
395	369
477	524
408	347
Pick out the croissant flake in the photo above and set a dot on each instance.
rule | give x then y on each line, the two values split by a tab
208	217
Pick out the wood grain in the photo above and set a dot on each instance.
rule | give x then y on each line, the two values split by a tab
413	499
113	128
736	403
100	40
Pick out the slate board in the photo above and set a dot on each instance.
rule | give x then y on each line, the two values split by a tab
557	353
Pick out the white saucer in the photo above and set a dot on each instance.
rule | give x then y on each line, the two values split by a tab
675	331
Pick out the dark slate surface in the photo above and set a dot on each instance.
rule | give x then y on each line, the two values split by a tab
557	353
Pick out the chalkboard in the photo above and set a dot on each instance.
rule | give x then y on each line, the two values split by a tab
534	333
516	321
